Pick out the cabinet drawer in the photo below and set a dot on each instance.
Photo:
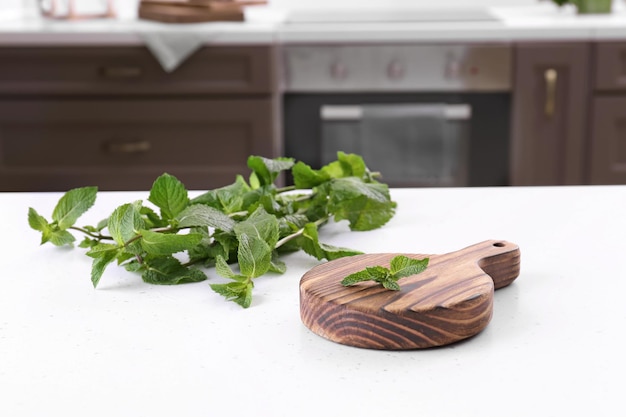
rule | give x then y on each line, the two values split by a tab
134	70
610	62
608	141
126	144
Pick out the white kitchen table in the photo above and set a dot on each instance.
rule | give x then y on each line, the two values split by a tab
553	348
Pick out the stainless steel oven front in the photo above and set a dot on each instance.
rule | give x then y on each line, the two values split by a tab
422	115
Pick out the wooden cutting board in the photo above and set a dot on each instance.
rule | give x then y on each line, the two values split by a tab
195	11
449	301
183	14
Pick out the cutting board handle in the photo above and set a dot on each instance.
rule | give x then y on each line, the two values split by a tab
498	258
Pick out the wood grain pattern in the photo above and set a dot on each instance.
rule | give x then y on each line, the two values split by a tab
450	301
180	14
196	11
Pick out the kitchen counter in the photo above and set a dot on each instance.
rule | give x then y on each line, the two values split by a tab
128	32
554	346
266	25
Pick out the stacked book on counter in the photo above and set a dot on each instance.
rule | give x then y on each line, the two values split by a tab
193	11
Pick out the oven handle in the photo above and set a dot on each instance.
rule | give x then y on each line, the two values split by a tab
355	112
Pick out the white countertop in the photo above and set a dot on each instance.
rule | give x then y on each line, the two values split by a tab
260	29
265	25
553	348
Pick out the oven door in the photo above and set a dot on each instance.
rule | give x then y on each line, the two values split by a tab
418	139
409	144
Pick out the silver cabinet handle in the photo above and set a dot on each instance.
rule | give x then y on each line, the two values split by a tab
130	147
551	77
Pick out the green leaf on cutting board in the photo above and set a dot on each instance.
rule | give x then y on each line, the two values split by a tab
401	266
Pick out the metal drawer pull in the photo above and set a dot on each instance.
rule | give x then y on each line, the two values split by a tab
121	73
551	78
134	147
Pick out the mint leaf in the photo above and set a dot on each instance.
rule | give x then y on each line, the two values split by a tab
292	222
169	195
366	206
124	223
352	165
36	221
103	254
169	271
88	243
346	165
59	237
356	277
156	243
378	272
228	199
98	266
276	265
267	170
40	224
402	266
205	216
151	219
309	242
102	224
254	256
389	284
257	237
72	205
239	292
222	268
223	244
101	249
306	177
260	224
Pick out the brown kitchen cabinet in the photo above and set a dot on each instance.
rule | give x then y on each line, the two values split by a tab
112	117
551	96
608	118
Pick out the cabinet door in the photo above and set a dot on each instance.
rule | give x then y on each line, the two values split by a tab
610	72
608	141
551	92
57	144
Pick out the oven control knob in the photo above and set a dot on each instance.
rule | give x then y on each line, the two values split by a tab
338	71
395	70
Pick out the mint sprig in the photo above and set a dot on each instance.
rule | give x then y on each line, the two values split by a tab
241	229
401	266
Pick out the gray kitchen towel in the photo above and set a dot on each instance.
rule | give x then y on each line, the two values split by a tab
408	142
172	48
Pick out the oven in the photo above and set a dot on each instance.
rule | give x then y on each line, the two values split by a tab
421	115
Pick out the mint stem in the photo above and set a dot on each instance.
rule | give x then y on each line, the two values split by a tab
238	213
298	233
285	189
98	236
